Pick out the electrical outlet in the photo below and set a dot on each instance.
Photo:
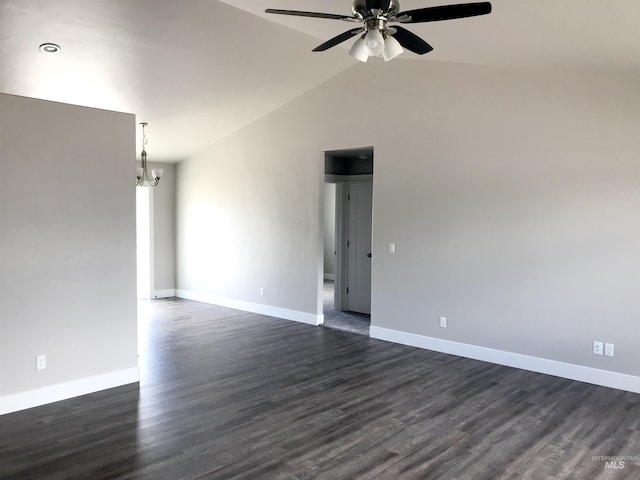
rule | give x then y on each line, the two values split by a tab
41	362
443	322
608	349
392	248
261	291
597	348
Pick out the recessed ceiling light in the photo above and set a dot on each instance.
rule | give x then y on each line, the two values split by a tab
49	48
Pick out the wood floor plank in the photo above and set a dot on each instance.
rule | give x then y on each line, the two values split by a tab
226	394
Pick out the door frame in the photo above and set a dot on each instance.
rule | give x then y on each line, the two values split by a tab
340	228
342	234
144	244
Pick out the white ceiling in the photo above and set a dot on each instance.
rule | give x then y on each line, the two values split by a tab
197	70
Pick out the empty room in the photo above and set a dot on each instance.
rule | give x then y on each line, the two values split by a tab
194	194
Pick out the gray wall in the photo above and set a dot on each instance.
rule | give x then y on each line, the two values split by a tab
67	243
247	219
511	195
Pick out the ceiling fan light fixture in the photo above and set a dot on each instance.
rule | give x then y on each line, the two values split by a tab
374	43
377	17
392	48
358	50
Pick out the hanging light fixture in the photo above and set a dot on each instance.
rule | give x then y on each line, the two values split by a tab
376	41
142	172
381	40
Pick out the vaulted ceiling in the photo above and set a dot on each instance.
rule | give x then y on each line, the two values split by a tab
198	70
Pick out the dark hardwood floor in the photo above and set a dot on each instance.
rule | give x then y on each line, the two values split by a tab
231	395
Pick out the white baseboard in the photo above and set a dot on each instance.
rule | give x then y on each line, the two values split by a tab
63	391
296	316
330	276
164	293
571	371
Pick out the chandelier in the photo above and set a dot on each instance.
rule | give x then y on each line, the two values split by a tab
142	172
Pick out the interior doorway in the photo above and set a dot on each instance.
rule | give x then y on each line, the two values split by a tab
143	242
348	206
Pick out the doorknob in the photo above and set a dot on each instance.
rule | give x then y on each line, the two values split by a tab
369	255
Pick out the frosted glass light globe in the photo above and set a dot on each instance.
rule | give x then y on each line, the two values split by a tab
392	48
358	50
374	43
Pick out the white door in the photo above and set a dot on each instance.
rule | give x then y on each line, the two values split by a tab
360	199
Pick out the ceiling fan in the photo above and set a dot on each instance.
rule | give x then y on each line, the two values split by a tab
376	38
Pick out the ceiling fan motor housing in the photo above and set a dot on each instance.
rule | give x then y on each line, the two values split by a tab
363	9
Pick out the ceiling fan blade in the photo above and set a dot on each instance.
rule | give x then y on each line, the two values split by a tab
297	13
444	12
411	41
338	39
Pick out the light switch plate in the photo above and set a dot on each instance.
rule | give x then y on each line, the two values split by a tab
608	349
41	362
